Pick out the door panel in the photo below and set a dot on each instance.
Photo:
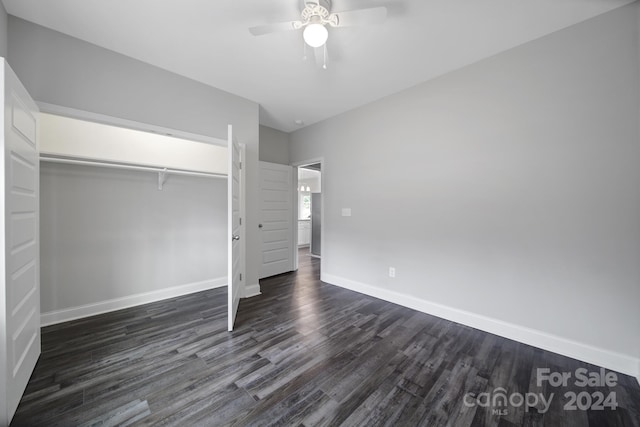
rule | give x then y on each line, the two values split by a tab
20	305
235	235
276	207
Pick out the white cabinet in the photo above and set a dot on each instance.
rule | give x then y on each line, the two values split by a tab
304	232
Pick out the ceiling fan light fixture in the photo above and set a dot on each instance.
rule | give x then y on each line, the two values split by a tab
315	34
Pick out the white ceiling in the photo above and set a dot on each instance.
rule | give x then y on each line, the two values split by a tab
208	40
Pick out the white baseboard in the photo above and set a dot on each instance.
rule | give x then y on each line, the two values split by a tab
87	310
252	290
598	356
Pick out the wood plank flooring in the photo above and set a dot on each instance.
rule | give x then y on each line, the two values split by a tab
304	353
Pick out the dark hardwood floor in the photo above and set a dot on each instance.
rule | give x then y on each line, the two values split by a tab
304	353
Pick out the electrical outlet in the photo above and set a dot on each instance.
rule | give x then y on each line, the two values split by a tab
392	272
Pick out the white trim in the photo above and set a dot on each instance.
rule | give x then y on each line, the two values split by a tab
598	356
252	290
308	162
243	226
295	201
323	199
125	123
87	310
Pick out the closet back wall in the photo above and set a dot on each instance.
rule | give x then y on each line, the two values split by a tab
110	239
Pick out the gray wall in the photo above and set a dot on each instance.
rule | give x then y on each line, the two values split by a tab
508	189
108	233
274	146
4	31
65	71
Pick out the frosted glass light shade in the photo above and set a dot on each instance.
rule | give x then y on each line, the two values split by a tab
315	35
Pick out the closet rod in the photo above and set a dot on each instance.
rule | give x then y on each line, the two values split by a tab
130	167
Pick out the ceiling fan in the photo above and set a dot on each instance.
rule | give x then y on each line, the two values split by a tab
314	18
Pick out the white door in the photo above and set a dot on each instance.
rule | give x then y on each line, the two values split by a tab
20	296
235	205
276	221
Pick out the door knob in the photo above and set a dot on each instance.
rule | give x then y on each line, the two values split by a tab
259	225
235	237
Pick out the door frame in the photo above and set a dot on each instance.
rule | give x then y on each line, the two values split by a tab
243	215
296	165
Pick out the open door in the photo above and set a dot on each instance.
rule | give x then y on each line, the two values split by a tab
235	228
20	259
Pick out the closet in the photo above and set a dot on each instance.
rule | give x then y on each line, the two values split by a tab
98	217
128	217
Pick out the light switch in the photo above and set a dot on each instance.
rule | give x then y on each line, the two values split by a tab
346	211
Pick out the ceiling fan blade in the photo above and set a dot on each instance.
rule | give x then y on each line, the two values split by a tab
261	30
374	15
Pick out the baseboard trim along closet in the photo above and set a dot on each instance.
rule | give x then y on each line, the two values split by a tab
73	313
598	356
252	291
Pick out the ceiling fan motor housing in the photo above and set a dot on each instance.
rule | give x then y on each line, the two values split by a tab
322	3
318	11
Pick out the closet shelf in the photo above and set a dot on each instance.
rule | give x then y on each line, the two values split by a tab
162	172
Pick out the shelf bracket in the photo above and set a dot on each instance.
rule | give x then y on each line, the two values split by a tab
162	177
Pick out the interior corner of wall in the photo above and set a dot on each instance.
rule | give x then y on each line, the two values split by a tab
252	290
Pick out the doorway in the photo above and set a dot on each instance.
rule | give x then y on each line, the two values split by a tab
309	211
